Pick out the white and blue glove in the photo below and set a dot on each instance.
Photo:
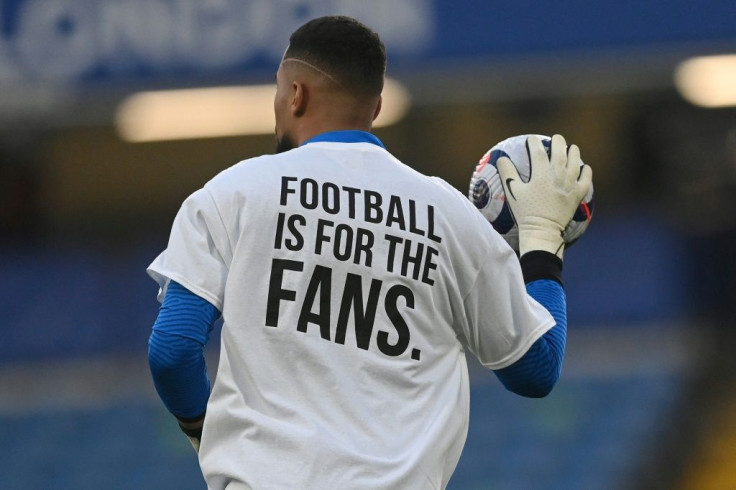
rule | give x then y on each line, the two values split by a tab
544	205
193	431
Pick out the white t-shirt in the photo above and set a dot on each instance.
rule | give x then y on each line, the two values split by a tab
349	285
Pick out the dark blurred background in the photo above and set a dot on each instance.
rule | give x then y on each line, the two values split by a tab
648	394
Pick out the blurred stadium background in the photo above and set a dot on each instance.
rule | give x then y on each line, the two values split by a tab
88	190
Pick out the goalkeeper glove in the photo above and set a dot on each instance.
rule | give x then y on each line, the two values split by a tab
193	431
544	205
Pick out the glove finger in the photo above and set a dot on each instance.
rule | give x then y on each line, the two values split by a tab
558	155
538	159
585	181
507	171
574	164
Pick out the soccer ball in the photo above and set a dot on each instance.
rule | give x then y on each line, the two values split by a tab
486	191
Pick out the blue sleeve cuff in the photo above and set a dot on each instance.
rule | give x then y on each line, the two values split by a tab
537	371
175	351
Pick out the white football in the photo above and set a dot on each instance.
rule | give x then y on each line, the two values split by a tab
486	191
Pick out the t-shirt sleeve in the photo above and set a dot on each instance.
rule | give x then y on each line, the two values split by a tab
198	254
502	319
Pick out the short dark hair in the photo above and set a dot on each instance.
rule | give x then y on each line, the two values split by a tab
344	48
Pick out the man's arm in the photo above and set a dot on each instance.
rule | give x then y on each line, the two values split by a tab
176	357
537	371
541	208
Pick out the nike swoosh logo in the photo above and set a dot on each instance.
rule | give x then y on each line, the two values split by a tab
508	186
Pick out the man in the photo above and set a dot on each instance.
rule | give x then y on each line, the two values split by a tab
350	286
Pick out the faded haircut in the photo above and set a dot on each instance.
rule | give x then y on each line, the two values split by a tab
347	51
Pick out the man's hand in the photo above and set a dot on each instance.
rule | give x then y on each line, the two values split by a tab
193	431
543	206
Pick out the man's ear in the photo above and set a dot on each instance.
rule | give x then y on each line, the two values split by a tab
378	107
299	99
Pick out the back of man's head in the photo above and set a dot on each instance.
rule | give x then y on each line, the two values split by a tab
343	48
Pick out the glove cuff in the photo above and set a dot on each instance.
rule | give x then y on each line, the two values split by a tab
538	264
195	433
190	420
185	426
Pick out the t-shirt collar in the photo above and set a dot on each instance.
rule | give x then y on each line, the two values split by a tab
346	136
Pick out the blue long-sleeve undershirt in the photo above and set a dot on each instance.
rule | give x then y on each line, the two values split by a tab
175	351
537	371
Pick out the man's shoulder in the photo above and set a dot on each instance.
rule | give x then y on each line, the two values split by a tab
448	194
269	163
247	171
254	164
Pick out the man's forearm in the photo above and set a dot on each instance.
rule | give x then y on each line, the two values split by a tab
537	371
175	352
179	374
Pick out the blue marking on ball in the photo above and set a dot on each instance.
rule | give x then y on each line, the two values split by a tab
481	193
495	155
505	220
